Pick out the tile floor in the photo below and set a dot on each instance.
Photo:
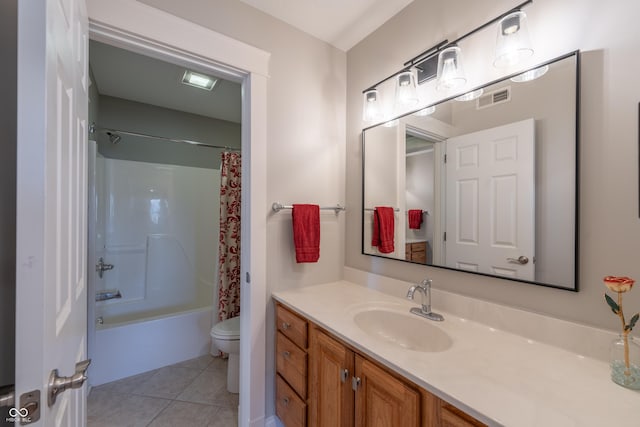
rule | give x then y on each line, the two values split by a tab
188	394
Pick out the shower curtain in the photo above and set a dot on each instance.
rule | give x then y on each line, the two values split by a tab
229	248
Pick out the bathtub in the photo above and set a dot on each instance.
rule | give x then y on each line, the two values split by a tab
135	343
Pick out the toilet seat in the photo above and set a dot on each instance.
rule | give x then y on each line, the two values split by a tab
227	330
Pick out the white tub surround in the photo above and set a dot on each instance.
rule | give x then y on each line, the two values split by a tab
499	377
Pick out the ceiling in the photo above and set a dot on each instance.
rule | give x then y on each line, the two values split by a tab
341	23
124	74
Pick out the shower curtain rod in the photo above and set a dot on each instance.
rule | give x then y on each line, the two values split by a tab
164	138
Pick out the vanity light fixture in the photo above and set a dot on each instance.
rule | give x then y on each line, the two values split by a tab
200	81
513	43
470	96
450	69
371	107
425	111
527	76
406	93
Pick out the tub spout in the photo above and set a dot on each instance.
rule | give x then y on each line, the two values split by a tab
109	294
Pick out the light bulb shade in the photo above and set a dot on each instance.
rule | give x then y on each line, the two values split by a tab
406	93
470	96
425	111
371	106
450	69
513	43
527	76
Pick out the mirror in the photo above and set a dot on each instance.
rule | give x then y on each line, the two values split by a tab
486	186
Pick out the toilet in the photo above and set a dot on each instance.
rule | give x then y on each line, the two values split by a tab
226	337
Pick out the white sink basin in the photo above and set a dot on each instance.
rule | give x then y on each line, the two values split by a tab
407	331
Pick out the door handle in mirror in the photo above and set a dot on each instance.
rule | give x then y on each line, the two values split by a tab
520	260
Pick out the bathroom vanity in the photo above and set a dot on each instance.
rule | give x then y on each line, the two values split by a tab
345	387
347	354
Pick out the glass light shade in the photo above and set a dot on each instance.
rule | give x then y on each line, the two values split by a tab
513	43
527	76
470	96
371	107
425	111
406	93
450	70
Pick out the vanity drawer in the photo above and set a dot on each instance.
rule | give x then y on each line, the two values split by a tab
291	363
292	326
420	257
418	247
454	417
291	410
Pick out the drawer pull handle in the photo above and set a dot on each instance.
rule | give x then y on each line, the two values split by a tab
344	374
285	401
355	383
285	326
286	354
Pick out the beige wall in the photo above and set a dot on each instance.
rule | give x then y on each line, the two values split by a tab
306	134
609	39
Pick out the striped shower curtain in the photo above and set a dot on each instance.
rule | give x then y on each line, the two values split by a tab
229	248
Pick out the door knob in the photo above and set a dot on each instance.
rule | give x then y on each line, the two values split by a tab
58	384
520	260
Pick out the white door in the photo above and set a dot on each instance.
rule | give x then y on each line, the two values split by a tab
51	319
490	221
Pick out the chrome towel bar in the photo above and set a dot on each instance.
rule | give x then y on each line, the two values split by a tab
277	207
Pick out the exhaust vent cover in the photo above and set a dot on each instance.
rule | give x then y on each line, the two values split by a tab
490	99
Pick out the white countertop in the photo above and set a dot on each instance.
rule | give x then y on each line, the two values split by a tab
501	378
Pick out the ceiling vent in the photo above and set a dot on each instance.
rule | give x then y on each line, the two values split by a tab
494	98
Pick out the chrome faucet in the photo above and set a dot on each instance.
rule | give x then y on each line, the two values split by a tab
424	288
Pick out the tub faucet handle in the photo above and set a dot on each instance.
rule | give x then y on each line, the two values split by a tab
102	266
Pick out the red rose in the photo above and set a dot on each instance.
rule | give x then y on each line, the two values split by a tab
619	284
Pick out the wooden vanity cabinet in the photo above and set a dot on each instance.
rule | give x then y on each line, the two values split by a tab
330	386
323	382
382	399
347	389
416	252
291	367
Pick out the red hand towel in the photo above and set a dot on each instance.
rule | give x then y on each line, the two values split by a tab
383	229
415	218
306	232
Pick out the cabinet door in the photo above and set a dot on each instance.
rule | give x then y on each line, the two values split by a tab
383	400
331	395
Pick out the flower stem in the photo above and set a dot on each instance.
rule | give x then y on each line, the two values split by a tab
625	336
627	370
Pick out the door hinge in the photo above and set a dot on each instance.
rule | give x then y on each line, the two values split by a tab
247	277
355	383
445	236
445	158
